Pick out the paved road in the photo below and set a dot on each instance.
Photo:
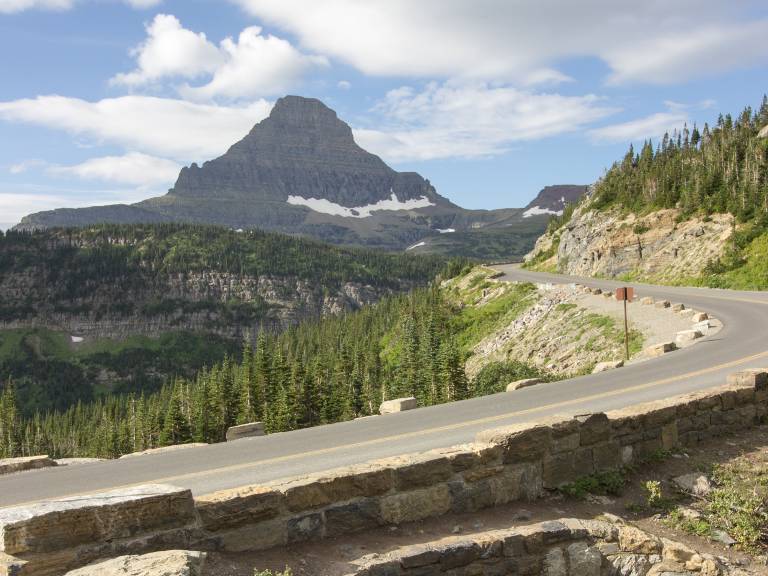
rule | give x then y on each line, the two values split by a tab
742	343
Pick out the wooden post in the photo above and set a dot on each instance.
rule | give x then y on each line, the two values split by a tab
626	330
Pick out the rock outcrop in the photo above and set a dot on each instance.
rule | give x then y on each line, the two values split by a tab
653	246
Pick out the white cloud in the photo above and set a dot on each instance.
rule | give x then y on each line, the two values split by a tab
165	127
253	65
143	4
445	121
133	168
511	41
26	165
344	84
171	50
652	126
12	6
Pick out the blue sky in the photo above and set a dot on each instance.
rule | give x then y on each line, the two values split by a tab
103	101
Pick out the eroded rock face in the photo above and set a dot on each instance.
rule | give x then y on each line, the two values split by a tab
608	243
166	563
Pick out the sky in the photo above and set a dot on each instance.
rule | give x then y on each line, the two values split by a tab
103	101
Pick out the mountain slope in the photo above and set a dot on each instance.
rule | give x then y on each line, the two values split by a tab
692	211
299	171
122	307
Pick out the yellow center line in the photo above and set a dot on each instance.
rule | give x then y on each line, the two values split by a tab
427	431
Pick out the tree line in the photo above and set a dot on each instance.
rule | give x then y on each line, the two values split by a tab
718	169
315	373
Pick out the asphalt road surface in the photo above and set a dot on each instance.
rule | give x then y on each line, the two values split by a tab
742	343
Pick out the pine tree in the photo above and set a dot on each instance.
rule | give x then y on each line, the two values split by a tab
176	429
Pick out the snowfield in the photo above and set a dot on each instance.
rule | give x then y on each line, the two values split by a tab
536	211
327	207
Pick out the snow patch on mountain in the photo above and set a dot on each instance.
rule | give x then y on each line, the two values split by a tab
446	230
327	207
536	211
416	246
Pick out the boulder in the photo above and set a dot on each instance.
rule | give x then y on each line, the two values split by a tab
166	563
605	366
11	465
646	301
699	317
685	336
677	307
249	430
693	483
398	405
660	349
663	304
523	384
704	326
607	295
686	313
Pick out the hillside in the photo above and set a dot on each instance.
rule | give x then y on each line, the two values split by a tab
470	336
299	171
694	210
122	307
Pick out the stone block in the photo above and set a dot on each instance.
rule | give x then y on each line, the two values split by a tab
605	366
559	469
699	317
398	405
416	505
92	520
253	537
418	470
249	430
470	497
352	517
471	456
677	307
338	485
305	528
594	428
525	383
703	327
607	456
660	349
12	465
686	336
686	313
231	508
662	304
165	563
459	554
646	301
669	436
522	481
755	377
519	442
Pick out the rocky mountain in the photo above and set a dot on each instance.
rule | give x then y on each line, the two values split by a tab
552	200
299	171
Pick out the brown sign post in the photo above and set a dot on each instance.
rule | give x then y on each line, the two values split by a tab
626	294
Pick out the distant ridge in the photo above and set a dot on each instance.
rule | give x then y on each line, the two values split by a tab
299	171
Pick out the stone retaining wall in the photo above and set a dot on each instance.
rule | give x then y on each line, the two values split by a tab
565	547
505	464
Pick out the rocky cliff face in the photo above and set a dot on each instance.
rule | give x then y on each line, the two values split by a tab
652	246
227	304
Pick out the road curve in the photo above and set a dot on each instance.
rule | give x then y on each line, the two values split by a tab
741	343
